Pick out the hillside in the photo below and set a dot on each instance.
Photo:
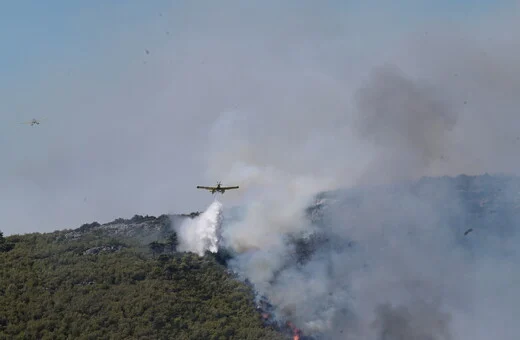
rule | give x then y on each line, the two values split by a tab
108	281
127	279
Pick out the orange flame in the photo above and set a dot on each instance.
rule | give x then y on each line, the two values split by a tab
296	331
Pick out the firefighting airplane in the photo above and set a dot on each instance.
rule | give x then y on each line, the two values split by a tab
32	122
218	188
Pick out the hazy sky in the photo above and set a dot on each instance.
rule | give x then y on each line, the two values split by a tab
128	132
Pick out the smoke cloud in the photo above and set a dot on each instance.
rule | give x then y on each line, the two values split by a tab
408	121
394	267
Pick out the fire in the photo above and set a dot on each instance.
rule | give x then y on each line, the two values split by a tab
265	309
296	331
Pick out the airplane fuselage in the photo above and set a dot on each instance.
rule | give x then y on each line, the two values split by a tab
217	189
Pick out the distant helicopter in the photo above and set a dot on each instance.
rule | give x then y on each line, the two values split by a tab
33	122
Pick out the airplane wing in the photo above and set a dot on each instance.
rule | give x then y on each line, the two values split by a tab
228	188
207	188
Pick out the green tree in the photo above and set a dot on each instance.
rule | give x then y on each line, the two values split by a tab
156	248
49	282
4	245
172	242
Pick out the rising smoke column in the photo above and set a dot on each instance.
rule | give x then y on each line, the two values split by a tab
201	233
305	126
404	268
322	295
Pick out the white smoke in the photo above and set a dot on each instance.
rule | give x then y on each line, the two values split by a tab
201	233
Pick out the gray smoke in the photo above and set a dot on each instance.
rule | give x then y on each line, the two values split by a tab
421	322
390	267
407	120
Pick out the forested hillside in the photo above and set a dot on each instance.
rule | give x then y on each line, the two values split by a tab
87	284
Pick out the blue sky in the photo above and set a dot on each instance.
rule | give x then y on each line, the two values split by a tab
54	29
36	35
120	121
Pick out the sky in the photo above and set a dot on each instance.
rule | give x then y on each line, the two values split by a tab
270	84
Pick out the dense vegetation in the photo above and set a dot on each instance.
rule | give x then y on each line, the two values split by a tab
95	286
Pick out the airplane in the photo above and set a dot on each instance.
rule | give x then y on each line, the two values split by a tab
218	188
32	122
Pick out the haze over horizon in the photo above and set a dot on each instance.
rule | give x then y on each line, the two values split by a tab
282	99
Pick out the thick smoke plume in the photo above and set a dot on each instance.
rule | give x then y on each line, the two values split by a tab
407	120
394	267
201	233
419	322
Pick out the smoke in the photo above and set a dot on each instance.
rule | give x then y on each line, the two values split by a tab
392	264
420	322
201	233
406	120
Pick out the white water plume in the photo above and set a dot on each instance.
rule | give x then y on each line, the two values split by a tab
201	233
